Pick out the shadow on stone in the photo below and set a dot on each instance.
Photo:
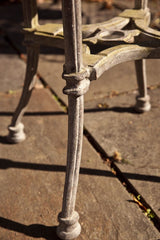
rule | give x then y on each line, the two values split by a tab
34	230
6	163
113	109
10	114
89	110
4	140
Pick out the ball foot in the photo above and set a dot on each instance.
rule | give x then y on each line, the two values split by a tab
16	133
143	104
69	228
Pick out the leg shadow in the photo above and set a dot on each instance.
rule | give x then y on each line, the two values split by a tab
34	230
4	140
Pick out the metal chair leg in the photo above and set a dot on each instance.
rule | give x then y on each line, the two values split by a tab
143	99
69	227
16	132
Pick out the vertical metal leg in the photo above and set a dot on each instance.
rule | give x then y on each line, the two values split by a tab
69	227
141	4
16	133
143	99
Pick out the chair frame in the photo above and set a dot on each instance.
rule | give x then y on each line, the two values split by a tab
90	50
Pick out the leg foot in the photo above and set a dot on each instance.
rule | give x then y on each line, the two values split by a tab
16	133
143	99
69	228
143	104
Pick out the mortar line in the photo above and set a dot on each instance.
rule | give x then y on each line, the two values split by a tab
114	169
121	177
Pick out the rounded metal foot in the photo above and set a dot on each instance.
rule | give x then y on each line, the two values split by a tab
69	228
143	104
16	133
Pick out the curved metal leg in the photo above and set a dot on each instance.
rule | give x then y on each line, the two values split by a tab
16	133
69	227
143	99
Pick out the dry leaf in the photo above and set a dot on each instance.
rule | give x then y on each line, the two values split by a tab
117	156
102	105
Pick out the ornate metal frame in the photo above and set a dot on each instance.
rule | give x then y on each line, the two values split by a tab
90	50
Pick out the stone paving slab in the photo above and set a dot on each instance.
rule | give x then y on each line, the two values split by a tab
134	136
32	180
94	12
12	68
